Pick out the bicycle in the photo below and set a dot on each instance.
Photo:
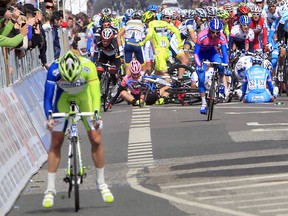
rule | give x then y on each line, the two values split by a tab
213	92
107	87
75	168
282	72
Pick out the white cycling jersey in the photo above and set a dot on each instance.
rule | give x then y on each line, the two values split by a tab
185	27
240	35
270	18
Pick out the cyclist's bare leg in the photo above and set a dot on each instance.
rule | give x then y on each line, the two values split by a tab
185	61
54	154
97	151
126	96
282	55
54	157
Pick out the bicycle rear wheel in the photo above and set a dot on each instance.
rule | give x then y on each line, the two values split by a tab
211	100
173	68
75	174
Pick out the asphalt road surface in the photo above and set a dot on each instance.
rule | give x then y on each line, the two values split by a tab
168	160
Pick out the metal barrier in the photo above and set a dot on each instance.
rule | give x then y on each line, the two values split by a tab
13	69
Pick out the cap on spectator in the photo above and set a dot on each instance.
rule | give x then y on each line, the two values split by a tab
260	1
3	10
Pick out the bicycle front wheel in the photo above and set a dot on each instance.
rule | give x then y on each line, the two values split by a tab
75	174
211	99
106	99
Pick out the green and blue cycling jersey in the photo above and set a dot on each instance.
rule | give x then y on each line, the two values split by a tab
85	91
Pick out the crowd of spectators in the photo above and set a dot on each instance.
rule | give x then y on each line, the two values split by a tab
24	26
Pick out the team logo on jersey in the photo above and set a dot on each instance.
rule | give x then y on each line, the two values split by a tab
55	72
203	37
86	69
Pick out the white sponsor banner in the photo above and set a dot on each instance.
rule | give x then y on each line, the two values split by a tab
31	93
21	150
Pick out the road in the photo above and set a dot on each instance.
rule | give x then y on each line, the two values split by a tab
168	160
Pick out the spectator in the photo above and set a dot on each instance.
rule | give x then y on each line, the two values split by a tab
56	23
8	19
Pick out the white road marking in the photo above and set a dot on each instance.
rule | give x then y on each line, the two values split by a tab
269	129
226	181
256	112
134	137
236	187
264	205
132	180
139	153
253	200
274	210
270	124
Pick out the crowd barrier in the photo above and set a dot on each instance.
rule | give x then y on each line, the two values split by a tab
24	140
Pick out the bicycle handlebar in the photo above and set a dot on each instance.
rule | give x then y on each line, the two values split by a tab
72	114
215	63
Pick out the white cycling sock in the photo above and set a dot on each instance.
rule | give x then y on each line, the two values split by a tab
203	101
100	175
51	180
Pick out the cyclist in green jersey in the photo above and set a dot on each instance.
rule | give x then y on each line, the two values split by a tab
75	78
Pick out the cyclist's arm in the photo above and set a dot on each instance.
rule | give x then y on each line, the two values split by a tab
119	35
231	42
93	83
149	33
269	83
176	32
196	54
49	88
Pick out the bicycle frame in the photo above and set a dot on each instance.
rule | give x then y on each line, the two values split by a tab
212	90
73	177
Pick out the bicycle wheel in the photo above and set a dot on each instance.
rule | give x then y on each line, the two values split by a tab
75	174
173	68
211	99
106	99
285	73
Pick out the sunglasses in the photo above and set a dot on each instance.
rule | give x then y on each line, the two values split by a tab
271	6
256	14
167	17
49	7
215	32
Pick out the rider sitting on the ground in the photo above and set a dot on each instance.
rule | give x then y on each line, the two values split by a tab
129	88
256	78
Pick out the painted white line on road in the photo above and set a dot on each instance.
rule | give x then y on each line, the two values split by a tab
150	156
140	121
140	150
263	205
139	153
271	124
256	112
140	126
140	144
139	147
132	180
274	210
148	159
231	196
141	162
226	181
252	199
235	187
140	116
269	129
